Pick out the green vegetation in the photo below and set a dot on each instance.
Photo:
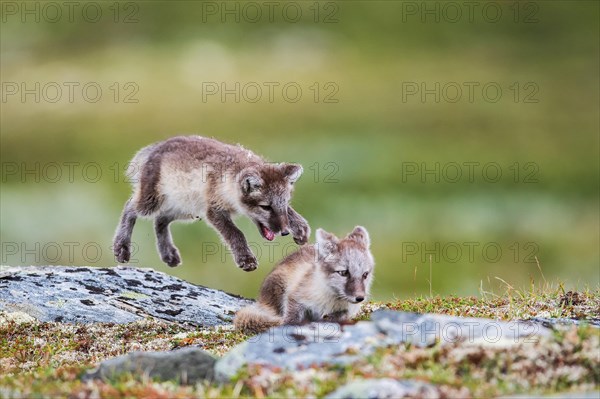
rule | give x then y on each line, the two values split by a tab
460	197
359	153
48	359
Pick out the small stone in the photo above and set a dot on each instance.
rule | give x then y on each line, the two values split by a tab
15	317
186	366
562	323
385	388
561	395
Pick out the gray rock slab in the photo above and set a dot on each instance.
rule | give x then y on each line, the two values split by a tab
561	395
113	295
385	388
185	366
293	347
564	323
426	329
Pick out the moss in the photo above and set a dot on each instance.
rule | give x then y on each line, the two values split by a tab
49	358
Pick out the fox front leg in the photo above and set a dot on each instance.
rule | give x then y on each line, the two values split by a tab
337	316
299	227
295	313
234	238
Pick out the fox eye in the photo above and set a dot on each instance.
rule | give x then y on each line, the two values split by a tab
266	207
343	273
365	274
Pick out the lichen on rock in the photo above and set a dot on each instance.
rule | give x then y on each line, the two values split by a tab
112	295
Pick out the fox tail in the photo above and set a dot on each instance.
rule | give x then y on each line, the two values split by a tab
256	318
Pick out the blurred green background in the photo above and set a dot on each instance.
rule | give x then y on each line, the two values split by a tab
359	128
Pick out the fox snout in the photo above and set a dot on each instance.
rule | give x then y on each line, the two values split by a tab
285	225
358	297
280	223
356	290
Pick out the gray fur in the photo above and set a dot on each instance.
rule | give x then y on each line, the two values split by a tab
329	280
219	181
122	241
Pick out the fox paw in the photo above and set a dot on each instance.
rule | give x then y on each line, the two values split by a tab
171	256
247	262
122	252
301	234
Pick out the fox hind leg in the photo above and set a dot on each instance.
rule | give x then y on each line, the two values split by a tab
168	251
122	240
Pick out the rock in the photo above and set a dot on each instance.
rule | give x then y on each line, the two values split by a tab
564	323
425	330
185	366
113	295
562	395
15	317
385	388
293	347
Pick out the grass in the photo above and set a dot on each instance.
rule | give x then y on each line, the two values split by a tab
369	185
512	306
48	359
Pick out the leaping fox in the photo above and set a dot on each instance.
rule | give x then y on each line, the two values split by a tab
191	178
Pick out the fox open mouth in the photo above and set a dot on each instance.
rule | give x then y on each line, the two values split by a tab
265	232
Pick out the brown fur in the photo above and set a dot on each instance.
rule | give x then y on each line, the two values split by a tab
193	177
306	285
256	318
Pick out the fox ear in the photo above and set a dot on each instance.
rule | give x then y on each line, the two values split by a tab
327	243
292	171
361	236
250	181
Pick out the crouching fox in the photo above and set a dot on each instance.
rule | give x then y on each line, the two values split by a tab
191	178
328	279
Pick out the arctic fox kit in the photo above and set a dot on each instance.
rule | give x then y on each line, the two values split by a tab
329	279
192	178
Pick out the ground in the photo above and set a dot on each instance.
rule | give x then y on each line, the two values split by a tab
49	358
